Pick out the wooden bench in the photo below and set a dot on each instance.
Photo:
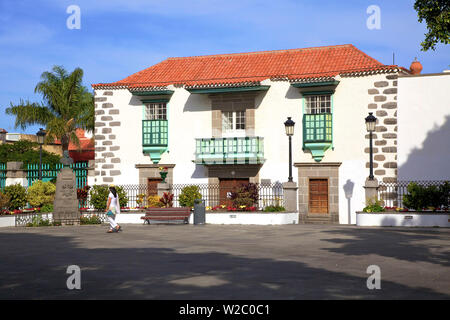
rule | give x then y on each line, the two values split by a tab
167	214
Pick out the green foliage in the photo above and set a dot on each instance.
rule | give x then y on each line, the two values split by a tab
188	195
26	152
18	196
94	219
274	209
46	208
38	221
436	14
153	202
420	197
41	193
67	105
99	196
374	206
245	195
4	201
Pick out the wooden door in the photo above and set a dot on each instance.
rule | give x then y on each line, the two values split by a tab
152	185
318	196
226	186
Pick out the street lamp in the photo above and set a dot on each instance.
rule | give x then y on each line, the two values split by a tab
289	126
370	125
40	138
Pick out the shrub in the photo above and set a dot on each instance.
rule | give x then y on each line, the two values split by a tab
41	193
94	219
188	195
4	201
274	209
167	200
153	202
245	195
420	197
140	199
99	196
46	208
82	193
18	196
38	221
374	206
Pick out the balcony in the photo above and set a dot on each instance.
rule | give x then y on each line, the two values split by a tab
317	134
242	150
154	138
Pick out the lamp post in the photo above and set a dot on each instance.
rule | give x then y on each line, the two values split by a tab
370	125
289	126
40	138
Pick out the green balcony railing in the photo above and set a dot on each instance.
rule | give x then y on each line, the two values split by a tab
154	133
317	128
236	150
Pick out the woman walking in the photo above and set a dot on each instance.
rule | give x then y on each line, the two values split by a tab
113	205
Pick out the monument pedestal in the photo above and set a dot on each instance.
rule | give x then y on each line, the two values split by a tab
65	206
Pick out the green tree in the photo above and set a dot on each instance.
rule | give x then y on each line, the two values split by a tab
67	105
436	14
26	152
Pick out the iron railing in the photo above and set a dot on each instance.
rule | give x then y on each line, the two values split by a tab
392	194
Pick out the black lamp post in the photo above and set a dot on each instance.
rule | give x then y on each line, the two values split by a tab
370	125
40	138
289	126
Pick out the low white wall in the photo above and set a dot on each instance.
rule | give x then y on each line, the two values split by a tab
402	220
7	221
225	218
250	218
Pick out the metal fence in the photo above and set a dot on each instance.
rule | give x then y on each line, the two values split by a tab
268	194
2	176
393	193
49	172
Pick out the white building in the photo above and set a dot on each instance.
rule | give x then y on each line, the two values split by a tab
424	126
220	119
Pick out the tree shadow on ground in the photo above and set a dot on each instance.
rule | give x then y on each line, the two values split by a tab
390	242
33	266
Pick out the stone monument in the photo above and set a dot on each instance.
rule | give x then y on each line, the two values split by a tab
65	206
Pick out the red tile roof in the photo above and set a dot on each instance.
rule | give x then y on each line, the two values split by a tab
251	68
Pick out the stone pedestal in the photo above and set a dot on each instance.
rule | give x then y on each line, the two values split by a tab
290	196
162	187
371	187
65	206
15	174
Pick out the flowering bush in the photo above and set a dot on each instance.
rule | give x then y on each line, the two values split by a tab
41	193
167	200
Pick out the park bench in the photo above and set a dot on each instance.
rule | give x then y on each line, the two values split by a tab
167	214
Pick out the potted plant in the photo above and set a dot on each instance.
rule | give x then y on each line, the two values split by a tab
163	171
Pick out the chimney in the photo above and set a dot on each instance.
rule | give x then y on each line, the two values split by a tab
416	67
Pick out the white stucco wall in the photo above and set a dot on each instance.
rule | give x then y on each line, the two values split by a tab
424	127
190	117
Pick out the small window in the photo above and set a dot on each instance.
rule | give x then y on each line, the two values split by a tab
155	111
233	120
318	104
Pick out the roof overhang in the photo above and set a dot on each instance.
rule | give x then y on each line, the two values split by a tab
151	93
315	84
228	89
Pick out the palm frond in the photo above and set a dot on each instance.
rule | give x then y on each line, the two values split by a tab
28	113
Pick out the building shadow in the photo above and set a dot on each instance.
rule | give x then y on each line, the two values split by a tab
389	242
432	161
33	266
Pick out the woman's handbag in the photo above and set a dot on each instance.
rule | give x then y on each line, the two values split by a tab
110	213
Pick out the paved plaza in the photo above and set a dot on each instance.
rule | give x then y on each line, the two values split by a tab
224	262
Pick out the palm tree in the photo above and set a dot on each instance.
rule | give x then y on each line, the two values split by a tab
67	105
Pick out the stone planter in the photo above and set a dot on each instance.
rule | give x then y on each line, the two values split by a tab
163	175
403	219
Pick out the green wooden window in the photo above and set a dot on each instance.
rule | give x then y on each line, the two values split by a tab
317	127
154	133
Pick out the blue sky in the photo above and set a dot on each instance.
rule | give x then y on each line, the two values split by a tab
120	37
